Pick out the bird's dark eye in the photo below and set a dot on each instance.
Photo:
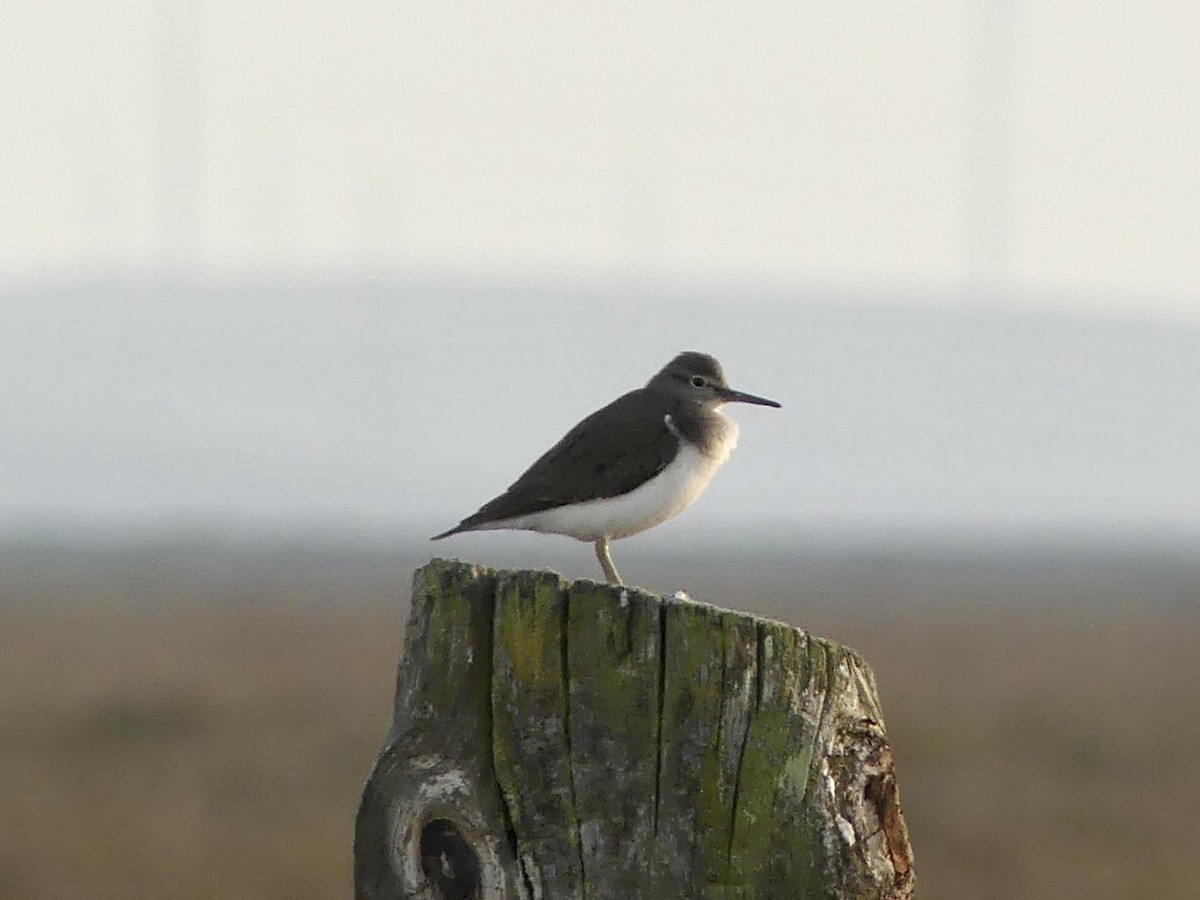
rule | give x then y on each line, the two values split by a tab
698	381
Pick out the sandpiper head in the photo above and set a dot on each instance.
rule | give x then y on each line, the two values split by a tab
697	378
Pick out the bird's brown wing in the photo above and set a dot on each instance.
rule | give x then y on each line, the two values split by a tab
611	452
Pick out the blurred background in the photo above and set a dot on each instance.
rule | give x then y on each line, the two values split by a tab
287	287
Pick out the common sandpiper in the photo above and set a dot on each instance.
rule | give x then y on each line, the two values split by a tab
627	467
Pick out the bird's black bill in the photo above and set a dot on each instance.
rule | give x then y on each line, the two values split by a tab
731	396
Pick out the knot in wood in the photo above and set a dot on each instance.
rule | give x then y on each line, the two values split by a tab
449	861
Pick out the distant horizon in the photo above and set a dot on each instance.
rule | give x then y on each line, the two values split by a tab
764	537
836	578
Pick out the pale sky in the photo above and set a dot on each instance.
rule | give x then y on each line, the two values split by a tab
787	143
327	185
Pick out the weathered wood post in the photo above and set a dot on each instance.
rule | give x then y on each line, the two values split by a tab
579	740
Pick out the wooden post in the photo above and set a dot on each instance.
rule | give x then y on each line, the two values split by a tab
557	740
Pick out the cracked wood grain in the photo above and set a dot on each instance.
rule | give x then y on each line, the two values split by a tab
557	739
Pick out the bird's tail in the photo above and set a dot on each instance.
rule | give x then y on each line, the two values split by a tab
464	525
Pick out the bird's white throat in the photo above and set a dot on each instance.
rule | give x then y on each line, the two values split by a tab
667	494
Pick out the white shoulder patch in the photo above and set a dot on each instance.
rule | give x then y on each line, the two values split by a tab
670	423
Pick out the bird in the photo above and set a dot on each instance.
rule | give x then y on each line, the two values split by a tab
627	467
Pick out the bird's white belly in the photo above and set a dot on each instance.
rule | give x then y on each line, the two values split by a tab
665	495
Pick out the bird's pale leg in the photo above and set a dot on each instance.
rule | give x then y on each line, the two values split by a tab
606	563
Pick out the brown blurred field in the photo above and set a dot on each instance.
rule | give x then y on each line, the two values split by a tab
199	724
